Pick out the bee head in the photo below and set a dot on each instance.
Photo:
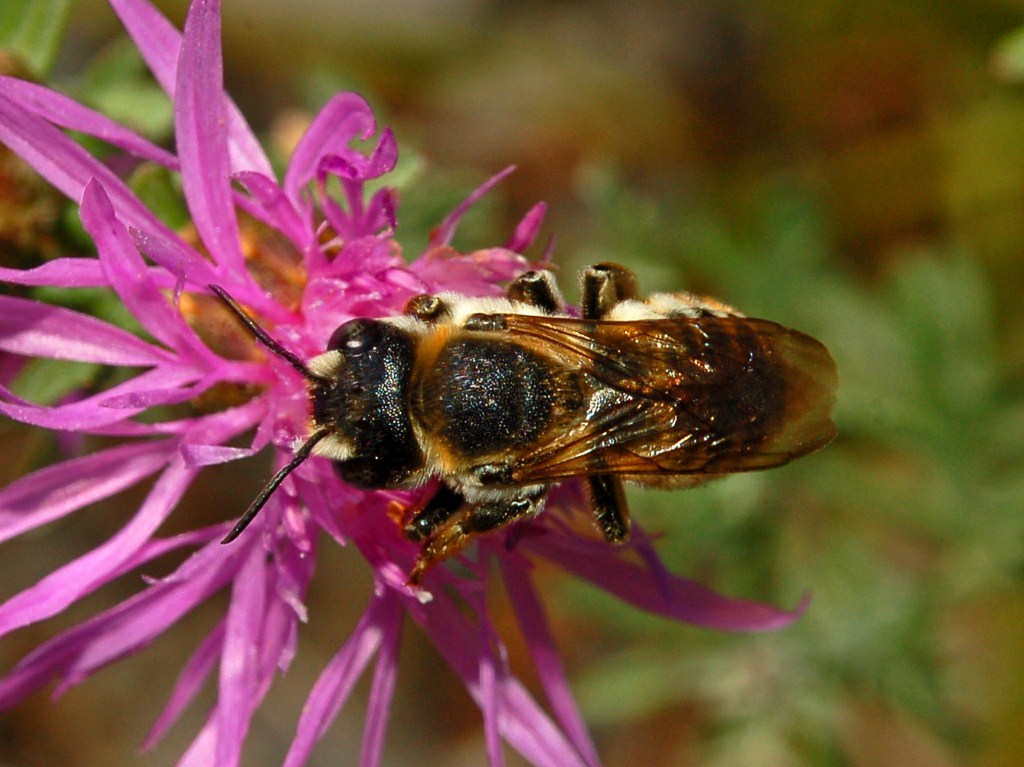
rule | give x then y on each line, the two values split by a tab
360	400
358	389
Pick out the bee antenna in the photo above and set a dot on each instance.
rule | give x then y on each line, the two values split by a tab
260	500
263	337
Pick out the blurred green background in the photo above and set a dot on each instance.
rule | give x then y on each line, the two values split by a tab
852	170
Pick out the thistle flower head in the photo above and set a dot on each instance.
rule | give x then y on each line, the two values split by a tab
304	254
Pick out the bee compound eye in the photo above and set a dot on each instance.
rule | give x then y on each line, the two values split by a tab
355	336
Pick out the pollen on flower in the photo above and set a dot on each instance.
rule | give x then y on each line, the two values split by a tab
398	512
217	328
274	262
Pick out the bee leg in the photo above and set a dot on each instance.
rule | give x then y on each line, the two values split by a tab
427	307
437	510
609	504
453	535
603	286
537	288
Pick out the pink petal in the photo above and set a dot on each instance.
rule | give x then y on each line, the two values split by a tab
475	274
84	575
546	660
344	118
491	673
36	329
278	211
382	210
339	677
182	263
382	690
81	650
526	230
203	751
124	429
216	427
323	506
278	639
91	413
138	621
68	113
60	272
384	157
348	226
160	44
128	276
353	166
158	396
271	631
654	589
210	455
522	723
122	265
237	698
190	682
67	166
52	492
294	572
201	135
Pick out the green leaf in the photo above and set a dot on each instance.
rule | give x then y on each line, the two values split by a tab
118	84
1008	56
32	30
160	191
46	381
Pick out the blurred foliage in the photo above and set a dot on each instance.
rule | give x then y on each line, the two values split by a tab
854	171
1008	56
31	32
118	84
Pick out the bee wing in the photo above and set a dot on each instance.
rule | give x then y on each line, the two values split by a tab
698	396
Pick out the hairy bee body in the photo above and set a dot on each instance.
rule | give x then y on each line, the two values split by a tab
497	399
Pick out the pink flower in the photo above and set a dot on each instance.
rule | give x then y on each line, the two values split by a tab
342	261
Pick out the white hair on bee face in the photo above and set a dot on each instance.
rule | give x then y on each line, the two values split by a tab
334	447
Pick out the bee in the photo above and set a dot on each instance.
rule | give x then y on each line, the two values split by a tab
500	398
